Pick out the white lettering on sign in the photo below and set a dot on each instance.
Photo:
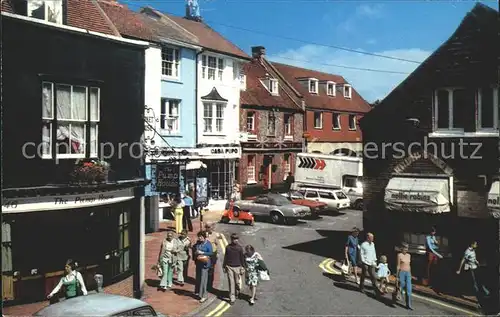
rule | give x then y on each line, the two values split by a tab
418	156
410	196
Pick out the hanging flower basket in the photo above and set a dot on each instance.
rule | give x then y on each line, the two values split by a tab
90	172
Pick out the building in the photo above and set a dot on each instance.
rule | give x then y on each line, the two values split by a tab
82	97
333	108
271	118
435	164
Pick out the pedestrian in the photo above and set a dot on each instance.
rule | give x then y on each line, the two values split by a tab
234	266
186	215
351	252
368	263
178	212
167	260
72	281
290	179
214	238
383	273
431	245
202	254
252	260
183	246
470	265
404	274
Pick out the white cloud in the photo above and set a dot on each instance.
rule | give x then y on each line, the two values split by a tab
370	85
371	11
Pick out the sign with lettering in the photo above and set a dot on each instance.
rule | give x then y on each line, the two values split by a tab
410	196
59	202
494	200
167	178
222	152
406	162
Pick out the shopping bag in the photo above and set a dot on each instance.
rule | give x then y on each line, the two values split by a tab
264	276
159	271
345	268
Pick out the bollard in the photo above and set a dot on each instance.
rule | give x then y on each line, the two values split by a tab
99	279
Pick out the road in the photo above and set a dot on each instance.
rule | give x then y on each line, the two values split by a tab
298	286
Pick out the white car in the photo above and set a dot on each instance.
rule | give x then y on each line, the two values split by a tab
336	199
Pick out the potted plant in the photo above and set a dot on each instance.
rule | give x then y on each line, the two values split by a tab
90	171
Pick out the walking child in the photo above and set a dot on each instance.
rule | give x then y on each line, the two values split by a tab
383	273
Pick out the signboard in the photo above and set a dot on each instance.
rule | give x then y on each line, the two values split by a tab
167	178
149	125
201	191
220	152
51	203
494	200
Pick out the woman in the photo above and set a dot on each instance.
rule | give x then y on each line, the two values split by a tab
404	274
72	282
252	274
179	213
351	252
202	253
167	260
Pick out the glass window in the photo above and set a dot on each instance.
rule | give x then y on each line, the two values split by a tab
124	240
311	194
327	195
340	195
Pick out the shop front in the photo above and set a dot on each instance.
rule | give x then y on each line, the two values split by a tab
494	200
97	228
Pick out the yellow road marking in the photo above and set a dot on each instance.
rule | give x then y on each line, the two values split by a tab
223	310
219	307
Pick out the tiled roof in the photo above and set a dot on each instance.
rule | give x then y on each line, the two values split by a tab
208	38
257	95
321	100
6	6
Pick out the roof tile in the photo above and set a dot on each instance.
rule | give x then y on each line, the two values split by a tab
86	15
6	6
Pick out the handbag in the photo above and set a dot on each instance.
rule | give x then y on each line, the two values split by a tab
345	267
159	270
202	258
264	276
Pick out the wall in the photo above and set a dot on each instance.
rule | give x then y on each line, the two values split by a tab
152	95
277	177
327	134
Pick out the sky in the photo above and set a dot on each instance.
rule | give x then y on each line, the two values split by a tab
307	33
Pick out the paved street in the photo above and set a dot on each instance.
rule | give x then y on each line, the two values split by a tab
298	286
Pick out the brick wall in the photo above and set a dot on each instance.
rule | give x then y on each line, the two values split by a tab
278	159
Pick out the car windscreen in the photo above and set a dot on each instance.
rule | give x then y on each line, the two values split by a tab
340	195
296	195
280	200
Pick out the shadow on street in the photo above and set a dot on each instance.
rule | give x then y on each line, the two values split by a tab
331	246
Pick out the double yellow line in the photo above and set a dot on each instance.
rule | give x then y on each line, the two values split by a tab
328	267
223	305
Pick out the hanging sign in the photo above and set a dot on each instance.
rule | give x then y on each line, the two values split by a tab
167	178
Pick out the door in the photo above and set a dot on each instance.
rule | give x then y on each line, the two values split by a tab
260	206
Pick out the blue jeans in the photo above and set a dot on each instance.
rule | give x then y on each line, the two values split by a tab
477	285
405	285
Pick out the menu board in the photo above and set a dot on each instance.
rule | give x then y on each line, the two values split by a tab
201	191
167	178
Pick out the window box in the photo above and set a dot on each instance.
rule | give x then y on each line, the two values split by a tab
90	172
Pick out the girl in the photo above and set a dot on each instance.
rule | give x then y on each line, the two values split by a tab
72	281
383	274
252	274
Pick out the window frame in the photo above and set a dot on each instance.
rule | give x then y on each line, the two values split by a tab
250	115
435	108
58	3
288	126
287	166
176	62
168	116
218	70
495	100
273	86
251	169
336	119
320	127
334	88
269	132
315	81
124	226
213	119
355	122
348	95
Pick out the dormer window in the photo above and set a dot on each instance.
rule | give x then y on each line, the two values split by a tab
347	91
273	86
313	85
50	11
330	88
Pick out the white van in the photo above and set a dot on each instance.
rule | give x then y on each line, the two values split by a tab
336	199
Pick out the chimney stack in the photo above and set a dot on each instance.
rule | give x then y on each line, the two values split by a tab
258	52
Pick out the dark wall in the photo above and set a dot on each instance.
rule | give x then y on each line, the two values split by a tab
30	51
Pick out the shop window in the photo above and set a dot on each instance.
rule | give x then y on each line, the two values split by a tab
124	242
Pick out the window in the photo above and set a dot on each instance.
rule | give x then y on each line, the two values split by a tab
65	110
212	67
123	241
213	112
170	62
352	122
311	194
271	123
273	86
286	165
318	120
330	88
327	195
251	169
487	100
288	124
336	121
449	108
250	121
340	195
239	73
169	117
347	91
50	11
313	86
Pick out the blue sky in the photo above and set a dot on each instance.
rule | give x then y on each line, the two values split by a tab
405	29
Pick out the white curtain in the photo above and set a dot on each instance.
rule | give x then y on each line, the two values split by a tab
72	105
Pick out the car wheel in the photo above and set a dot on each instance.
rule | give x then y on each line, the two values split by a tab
224	220
276	217
358	205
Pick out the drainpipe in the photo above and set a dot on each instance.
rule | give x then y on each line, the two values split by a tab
196	96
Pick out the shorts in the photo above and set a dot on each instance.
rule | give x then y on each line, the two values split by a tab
432	258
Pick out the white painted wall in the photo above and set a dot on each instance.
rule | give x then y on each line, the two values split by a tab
152	92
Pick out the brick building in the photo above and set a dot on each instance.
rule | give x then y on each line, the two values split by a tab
333	108
272	121
445	118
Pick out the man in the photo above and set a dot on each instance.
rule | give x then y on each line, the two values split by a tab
183	245
431	245
186	217
289	181
214	238
368	263
470	264
234	266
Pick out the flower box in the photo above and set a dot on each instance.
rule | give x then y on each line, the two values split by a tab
90	172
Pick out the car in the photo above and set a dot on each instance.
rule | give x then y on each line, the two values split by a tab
99	304
336	199
297	198
279	208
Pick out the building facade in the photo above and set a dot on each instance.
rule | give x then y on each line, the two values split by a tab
271	121
444	117
82	95
333	109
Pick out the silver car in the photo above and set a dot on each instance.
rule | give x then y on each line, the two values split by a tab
99	304
279	208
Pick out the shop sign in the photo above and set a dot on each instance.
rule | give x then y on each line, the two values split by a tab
233	152
494	200
167	178
401	167
50	203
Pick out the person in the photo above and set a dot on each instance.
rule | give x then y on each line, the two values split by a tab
234	266
403	268
470	264
431	245
383	273
236	194
183	246
72	281
178	212
252	259
186	215
214	238
368	263
167	260
201	256
351	252
290	179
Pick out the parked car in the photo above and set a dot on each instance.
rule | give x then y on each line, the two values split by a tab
336	199
99	304
297	198
279	208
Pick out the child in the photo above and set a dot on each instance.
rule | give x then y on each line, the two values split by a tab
383	274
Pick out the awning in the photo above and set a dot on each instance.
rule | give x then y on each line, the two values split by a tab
195	165
494	199
429	195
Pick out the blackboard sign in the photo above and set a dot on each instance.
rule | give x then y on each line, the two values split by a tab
167	178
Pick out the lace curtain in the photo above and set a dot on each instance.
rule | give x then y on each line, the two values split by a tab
71	115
